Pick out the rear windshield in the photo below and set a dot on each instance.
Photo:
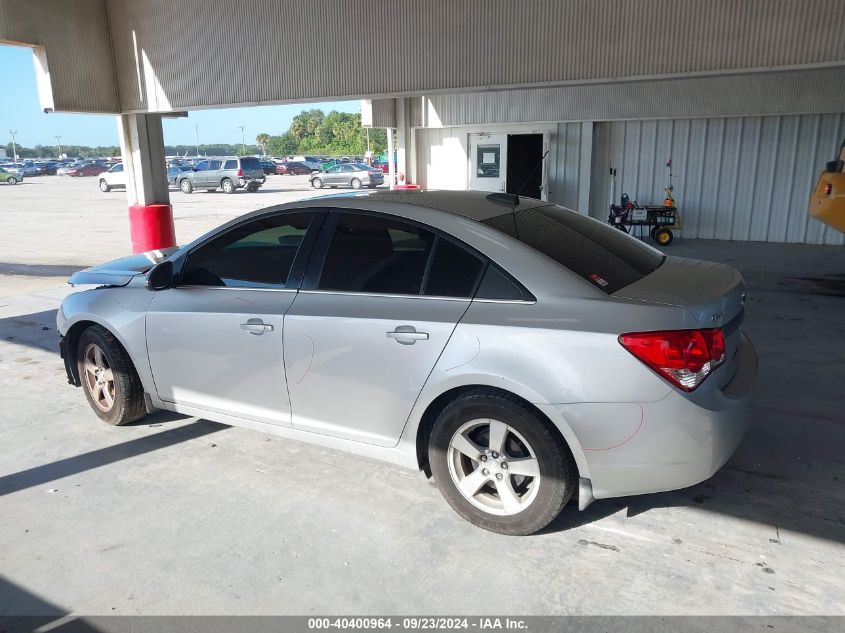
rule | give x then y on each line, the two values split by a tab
250	163
601	254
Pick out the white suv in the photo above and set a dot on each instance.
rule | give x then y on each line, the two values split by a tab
114	177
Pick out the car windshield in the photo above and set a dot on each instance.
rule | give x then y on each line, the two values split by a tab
604	256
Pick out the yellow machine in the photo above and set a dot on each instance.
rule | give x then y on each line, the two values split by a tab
827	202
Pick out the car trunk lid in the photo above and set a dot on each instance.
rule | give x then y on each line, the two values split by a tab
714	294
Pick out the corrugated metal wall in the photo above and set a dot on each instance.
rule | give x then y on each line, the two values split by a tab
241	53
75	35
789	92
743	178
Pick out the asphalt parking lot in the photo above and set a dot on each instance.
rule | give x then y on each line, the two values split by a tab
176	515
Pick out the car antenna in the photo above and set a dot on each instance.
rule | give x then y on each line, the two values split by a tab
537	166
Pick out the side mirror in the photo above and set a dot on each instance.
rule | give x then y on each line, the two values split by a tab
161	276
833	166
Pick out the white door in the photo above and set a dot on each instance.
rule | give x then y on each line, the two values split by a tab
488	157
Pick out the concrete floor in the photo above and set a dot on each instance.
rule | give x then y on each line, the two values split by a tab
177	515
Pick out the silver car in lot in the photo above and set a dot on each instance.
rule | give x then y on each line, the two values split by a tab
355	175
518	352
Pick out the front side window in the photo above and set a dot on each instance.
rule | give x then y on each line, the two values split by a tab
374	254
258	254
117	168
203	166
215	165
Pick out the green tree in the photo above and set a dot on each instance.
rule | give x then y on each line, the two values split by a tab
262	141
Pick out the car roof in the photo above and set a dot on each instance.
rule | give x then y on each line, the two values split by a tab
475	205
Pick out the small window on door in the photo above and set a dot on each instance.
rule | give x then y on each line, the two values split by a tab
376	255
488	161
258	254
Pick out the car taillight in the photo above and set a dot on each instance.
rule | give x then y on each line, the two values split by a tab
828	188
240	173
683	357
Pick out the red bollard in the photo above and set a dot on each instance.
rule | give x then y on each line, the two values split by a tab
151	227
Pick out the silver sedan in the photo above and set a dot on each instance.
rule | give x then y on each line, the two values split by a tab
355	175
520	353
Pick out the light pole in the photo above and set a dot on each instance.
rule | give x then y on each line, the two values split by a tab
59	143
243	143
197	130
14	147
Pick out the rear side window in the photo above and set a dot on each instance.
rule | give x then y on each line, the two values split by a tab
601	254
453	272
375	254
231	164
250	163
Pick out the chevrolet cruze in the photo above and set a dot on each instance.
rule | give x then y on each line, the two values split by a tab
518	352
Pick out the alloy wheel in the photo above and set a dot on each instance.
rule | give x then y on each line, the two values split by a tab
493	467
99	377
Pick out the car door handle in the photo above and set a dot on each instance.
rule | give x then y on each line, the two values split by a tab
407	335
256	327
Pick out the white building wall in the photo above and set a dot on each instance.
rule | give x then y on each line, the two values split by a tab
740	178
735	178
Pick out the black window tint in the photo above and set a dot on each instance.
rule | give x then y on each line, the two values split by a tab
250	163
373	254
215	165
497	284
231	164
453	272
258	254
599	253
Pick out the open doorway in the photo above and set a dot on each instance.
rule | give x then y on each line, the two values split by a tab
524	167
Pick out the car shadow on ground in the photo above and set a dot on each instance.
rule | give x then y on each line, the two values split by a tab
36	330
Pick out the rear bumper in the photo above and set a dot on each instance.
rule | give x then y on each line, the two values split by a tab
676	442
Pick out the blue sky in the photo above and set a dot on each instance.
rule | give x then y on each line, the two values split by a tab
20	111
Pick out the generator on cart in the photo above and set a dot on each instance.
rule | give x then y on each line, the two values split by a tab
658	220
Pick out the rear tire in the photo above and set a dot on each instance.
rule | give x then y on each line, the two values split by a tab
109	379
356	183
186	186
515	484
104	186
227	185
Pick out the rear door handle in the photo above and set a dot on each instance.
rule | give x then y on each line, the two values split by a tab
256	327
407	335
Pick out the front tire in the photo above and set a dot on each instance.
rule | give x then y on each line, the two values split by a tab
12	180
317	183
186	186
500	464
104	186
109	379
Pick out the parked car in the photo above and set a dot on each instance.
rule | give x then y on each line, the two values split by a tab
29	169
228	173
313	162
268	166
515	350
11	176
174	171
382	167
86	169
114	177
355	175
293	168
